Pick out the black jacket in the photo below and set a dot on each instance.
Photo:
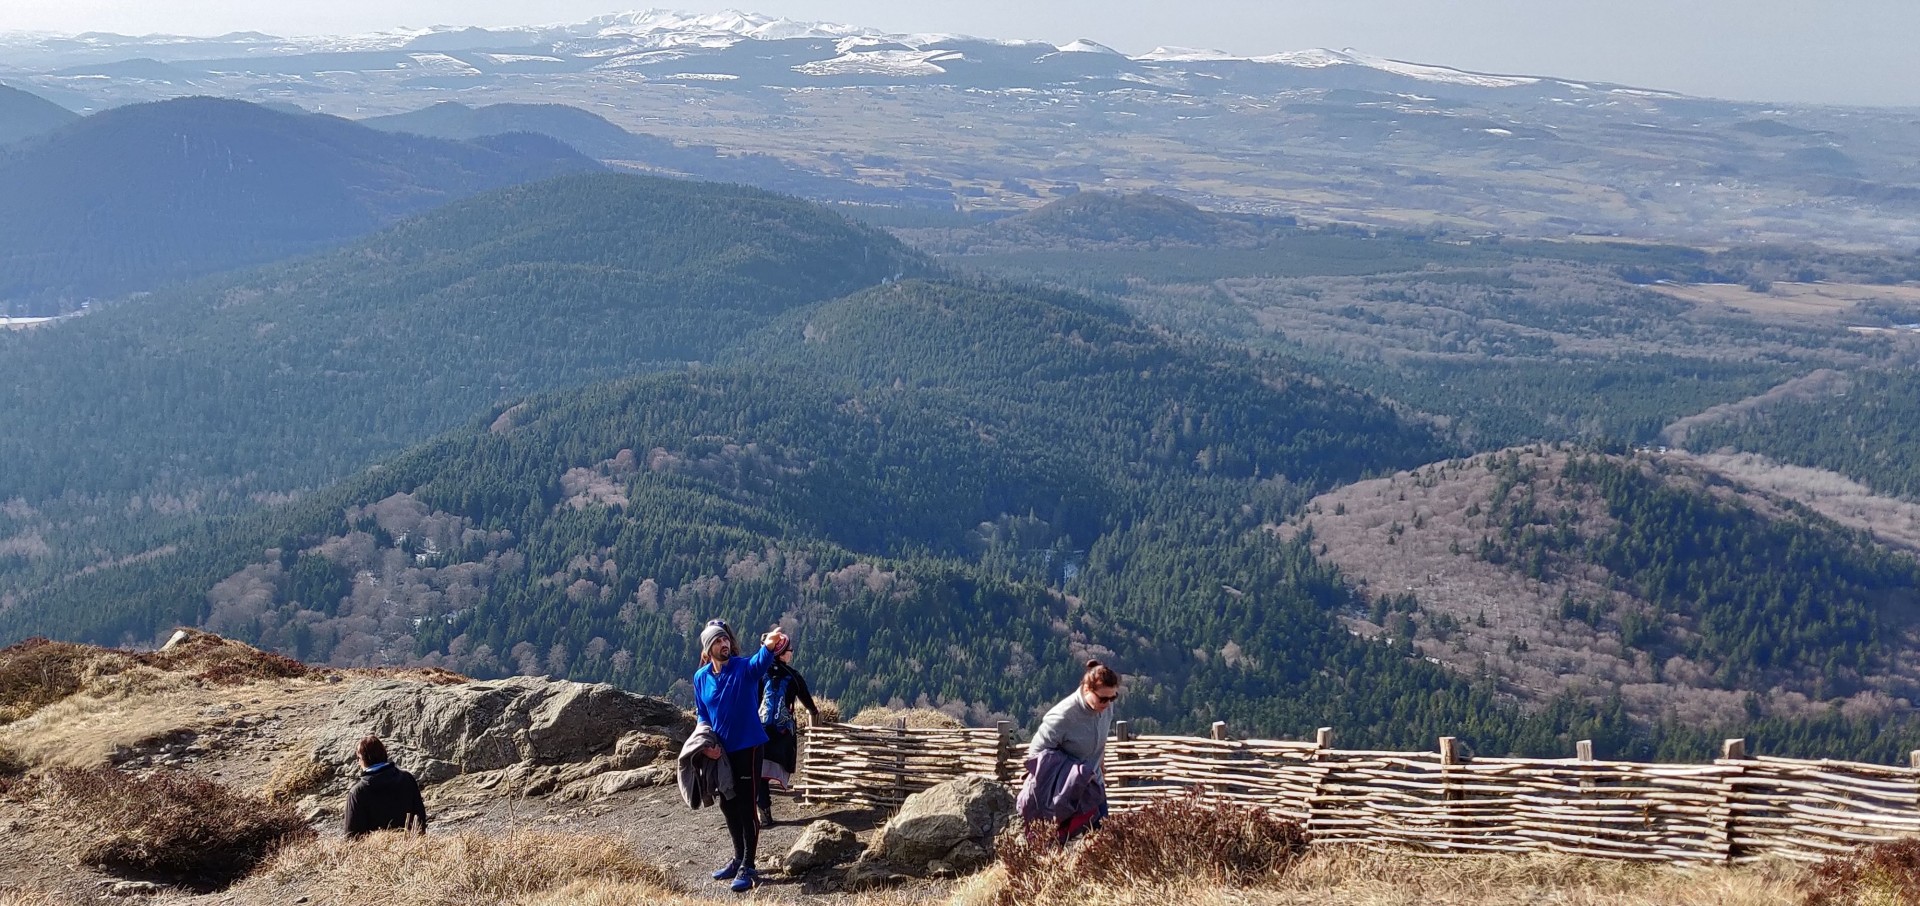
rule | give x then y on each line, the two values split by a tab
782	748
384	798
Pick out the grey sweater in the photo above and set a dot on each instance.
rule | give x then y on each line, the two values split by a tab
1076	729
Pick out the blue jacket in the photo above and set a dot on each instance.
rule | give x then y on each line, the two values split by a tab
729	701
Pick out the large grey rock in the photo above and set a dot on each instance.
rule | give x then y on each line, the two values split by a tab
540	733
822	844
949	828
613	782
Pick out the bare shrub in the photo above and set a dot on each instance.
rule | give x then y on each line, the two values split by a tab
517	866
12	764
1033	864
829	712
180	826
916	718
296	775
1875	874
432	676
36	673
1190	837
225	663
1167	841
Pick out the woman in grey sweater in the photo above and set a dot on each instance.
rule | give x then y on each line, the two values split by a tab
1078	726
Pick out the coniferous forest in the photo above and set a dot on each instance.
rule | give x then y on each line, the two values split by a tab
555	428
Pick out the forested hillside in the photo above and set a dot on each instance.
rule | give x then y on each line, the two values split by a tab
946	492
658	402
1648	580
201	400
1510	341
24	115
134	197
1870	432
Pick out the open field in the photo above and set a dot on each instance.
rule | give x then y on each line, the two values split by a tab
1791	299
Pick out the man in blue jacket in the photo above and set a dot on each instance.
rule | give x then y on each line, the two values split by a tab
726	697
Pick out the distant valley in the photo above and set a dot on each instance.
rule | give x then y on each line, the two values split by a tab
993	125
1408	401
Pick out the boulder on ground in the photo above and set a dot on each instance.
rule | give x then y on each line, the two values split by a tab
823	844
944	830
539	734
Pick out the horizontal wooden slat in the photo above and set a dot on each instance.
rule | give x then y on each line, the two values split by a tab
1728	810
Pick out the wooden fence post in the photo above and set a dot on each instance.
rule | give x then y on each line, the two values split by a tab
805	790
1219	729
1913	761
1323	738
1731	750
1583	751
1122	733
1003	757
900	757
1449	756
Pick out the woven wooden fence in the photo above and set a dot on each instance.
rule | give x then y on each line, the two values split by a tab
1439	803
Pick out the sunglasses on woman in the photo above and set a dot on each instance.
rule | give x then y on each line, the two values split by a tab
1107	698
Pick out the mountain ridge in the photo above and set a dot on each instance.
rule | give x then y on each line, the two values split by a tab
132	198
25	115
991	125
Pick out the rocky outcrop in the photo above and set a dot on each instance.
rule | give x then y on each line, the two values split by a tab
523	735
939	832
821	845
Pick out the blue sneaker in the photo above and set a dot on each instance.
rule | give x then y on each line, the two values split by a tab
745	880
727	871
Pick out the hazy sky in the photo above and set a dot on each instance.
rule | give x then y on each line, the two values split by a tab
1829	51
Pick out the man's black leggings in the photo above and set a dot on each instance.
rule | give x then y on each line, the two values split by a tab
741	824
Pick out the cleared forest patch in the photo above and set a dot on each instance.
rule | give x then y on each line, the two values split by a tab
1804	300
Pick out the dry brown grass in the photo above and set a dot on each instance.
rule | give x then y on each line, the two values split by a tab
36	673
1880	874
75	705
32	896
829	712
1336	876
182	827
520	867
1169	841
141	705
295	775
211	659
517	867
915	718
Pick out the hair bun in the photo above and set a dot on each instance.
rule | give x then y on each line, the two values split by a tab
1092	664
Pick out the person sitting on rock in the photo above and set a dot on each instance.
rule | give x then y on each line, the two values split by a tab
778	692
726	697
385	797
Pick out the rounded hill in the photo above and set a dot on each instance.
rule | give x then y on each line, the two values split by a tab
300	373
133	197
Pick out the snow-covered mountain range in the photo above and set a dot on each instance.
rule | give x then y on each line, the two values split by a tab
969	122
728	43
